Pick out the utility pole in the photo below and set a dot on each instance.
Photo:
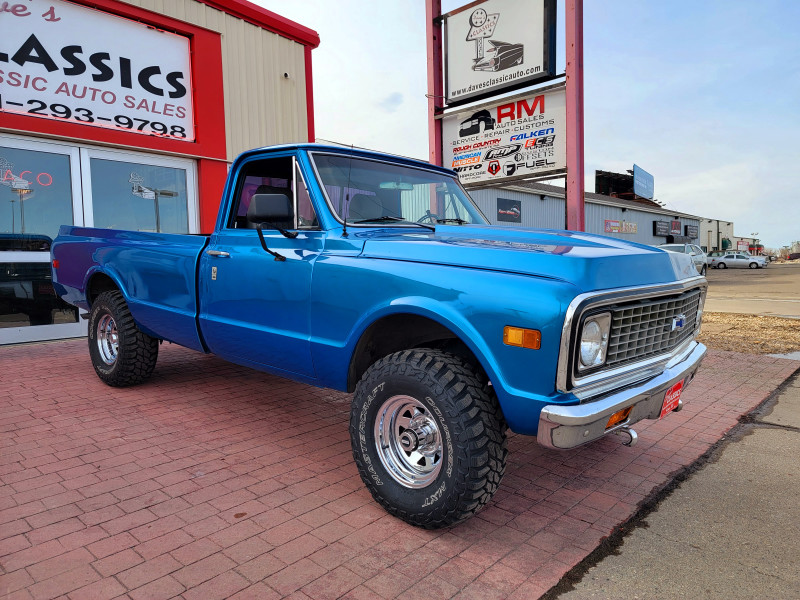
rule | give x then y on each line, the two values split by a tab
575	219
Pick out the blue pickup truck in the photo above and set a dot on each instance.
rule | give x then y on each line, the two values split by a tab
378	275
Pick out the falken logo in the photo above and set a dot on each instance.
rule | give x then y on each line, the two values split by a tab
678	322
502	151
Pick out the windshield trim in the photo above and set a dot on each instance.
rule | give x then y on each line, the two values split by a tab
335	214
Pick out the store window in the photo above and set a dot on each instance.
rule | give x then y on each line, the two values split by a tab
127	192
39	192
35	193
44	185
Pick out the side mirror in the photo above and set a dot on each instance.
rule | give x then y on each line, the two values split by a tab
268	208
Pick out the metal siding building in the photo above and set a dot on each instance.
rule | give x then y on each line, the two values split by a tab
544	206
538	210
262	107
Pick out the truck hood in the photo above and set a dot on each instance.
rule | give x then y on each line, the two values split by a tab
588	261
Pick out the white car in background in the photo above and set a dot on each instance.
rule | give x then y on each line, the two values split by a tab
739	260
698	256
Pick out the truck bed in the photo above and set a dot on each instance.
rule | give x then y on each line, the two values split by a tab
159	281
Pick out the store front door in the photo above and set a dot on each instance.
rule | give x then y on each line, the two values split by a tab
44	185
39	192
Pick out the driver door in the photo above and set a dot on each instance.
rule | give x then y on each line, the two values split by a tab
254	309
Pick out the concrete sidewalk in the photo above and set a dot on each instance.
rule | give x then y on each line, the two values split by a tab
214	481
732	530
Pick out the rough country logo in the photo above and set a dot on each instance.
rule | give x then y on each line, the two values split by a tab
502	55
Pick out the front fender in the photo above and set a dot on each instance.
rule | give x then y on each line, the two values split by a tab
474	305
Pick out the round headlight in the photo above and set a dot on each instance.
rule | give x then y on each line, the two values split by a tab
591	343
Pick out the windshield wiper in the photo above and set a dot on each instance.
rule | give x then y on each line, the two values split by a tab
459	221
394	220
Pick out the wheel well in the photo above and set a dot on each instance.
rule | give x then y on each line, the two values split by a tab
402	332
98	284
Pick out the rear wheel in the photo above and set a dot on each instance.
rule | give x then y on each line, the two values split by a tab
428	437
121	354
722	265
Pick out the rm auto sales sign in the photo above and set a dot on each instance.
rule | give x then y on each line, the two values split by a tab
71	63
516	138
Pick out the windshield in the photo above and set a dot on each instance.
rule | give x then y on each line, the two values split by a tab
370	191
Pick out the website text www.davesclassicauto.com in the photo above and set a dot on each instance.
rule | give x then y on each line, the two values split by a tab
494	81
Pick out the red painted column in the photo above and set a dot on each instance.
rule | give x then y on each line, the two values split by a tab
575	179
433	10
309	96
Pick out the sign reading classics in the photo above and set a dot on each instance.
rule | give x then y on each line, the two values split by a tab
518	137
498	45
64	61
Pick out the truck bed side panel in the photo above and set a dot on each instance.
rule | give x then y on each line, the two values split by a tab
156	272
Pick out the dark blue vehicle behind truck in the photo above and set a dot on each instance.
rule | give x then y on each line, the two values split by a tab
377	275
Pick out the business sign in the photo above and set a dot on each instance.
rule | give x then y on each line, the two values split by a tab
743	246
675	228
496	46
509	211
643	183
613	226
517	138
692	231
661	228
71	63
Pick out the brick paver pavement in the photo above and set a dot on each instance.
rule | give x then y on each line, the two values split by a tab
215	481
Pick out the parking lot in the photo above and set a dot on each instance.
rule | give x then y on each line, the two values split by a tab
773	291
214	481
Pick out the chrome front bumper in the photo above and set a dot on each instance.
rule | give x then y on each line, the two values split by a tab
564	427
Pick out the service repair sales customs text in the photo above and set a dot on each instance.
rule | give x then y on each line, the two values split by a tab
63	61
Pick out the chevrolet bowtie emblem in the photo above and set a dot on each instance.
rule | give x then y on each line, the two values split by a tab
678	322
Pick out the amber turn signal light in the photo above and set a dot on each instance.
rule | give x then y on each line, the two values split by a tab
619	416
524	338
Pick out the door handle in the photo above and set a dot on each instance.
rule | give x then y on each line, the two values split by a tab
218	253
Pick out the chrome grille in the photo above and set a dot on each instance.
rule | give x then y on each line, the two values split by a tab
647	328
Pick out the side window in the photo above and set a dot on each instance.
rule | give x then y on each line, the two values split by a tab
265	176
306	216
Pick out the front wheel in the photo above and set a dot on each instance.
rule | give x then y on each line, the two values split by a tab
121	354
753	265
428	437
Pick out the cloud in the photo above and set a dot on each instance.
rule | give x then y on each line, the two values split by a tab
392	102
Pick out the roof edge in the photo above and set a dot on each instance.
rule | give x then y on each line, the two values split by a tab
266	19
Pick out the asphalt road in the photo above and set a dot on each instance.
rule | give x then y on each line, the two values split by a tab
774	291
730	530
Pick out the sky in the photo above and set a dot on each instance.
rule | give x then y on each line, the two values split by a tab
703	95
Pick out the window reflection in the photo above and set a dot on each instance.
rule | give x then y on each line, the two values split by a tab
138	197
35	193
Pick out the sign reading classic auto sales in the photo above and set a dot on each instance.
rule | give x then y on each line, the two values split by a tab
518	137
64	61
496	46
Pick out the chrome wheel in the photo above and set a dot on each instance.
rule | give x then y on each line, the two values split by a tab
409	442
107	339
